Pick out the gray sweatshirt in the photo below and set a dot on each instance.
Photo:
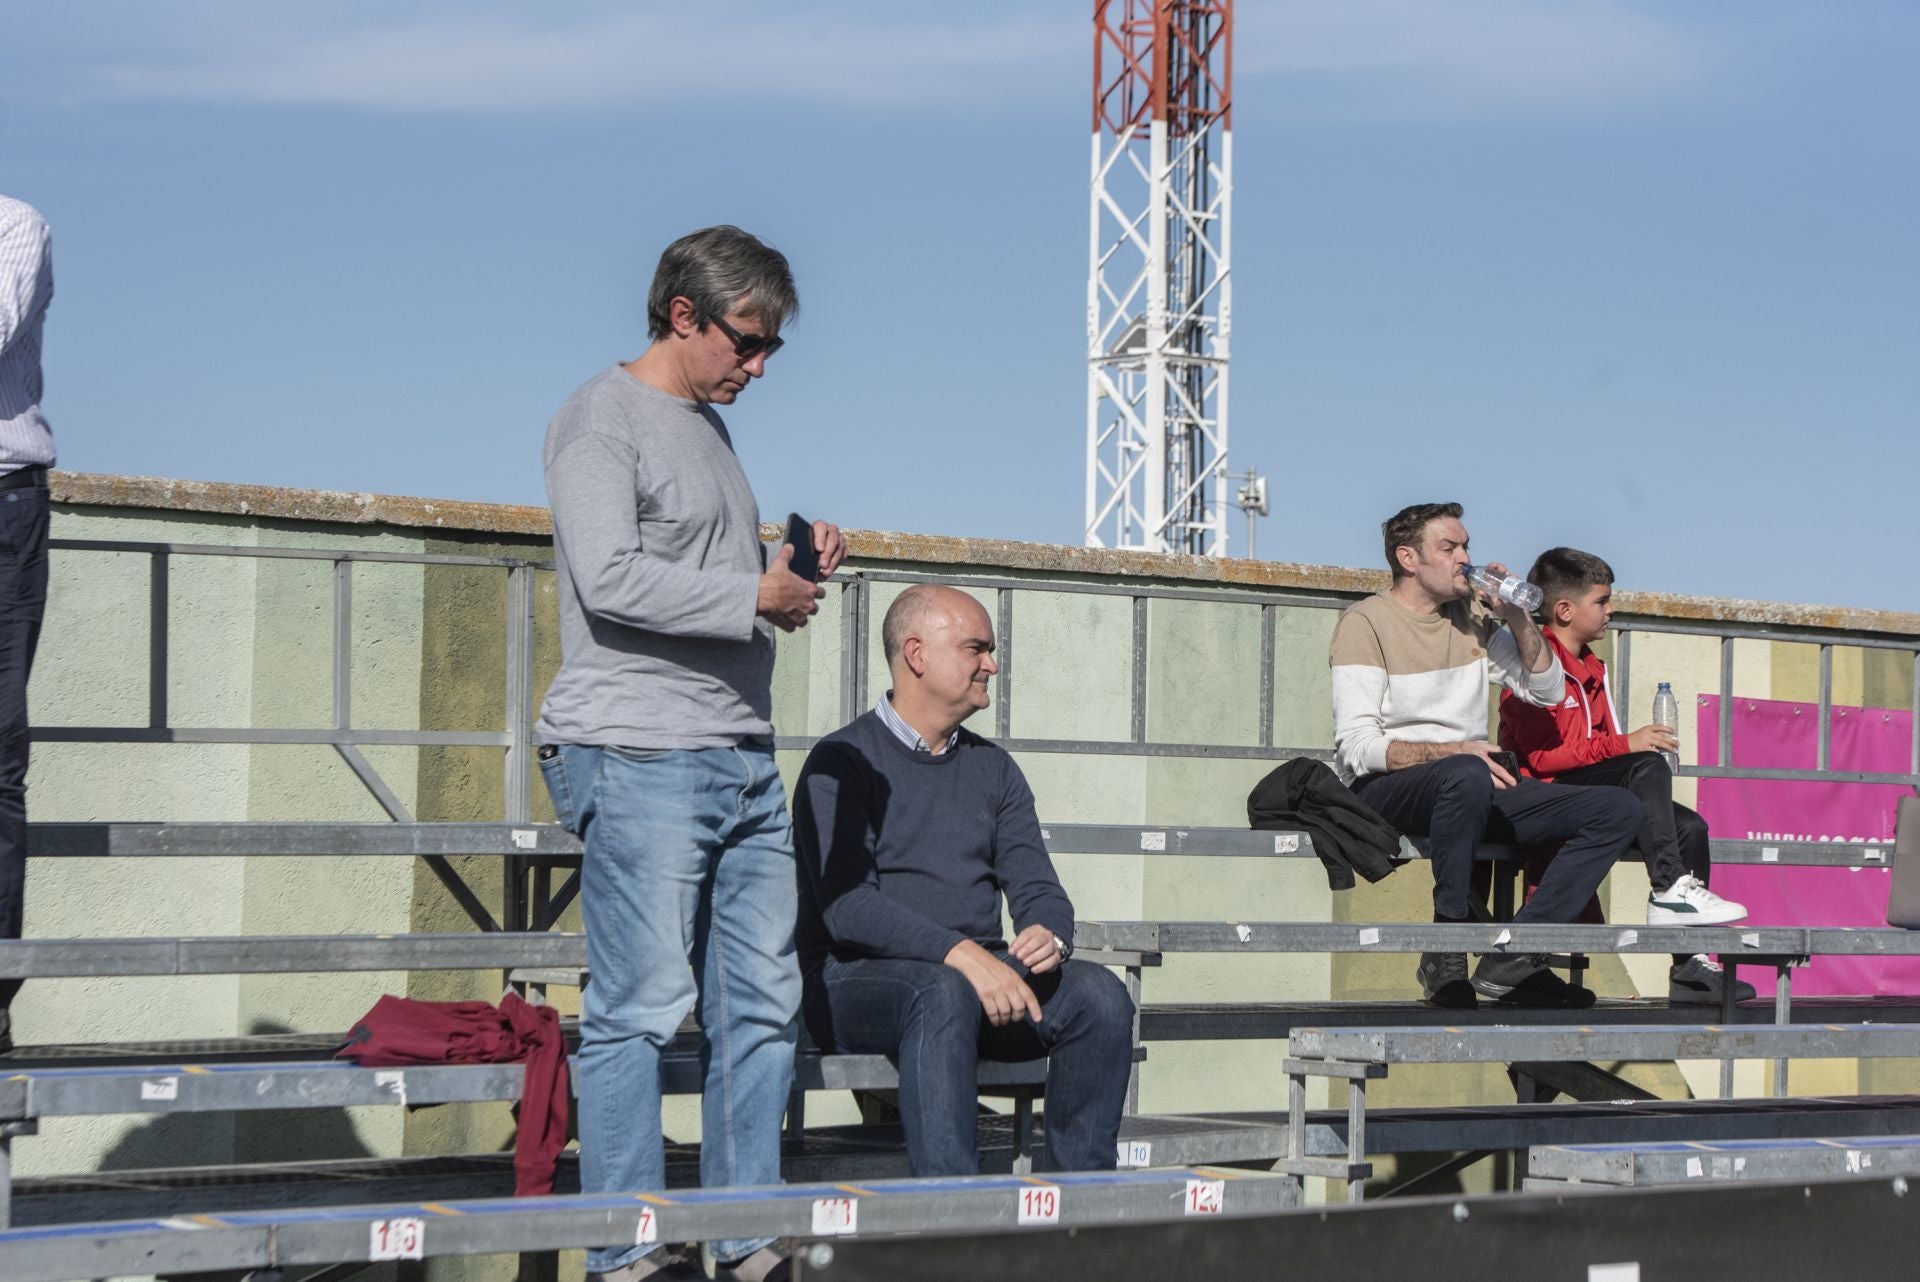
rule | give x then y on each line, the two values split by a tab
656	537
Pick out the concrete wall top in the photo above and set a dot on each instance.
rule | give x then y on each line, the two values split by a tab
98	489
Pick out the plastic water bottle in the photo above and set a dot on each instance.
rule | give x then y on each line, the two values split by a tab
1512	589
1666	712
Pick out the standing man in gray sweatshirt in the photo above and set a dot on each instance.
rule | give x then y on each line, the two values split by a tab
658	744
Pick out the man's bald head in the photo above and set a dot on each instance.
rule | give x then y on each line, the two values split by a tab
920	609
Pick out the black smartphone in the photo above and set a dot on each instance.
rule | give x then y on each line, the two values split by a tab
1507	760
806	561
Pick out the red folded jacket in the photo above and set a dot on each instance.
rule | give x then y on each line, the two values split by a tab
400	1031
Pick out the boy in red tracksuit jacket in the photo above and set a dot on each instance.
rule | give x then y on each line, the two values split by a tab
1578	741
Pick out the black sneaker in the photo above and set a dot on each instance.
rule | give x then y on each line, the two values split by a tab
1443	981
1524	980
667	1264
768	1264
1700	981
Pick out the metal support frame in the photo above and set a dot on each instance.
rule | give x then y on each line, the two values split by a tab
1159	276
1357	1054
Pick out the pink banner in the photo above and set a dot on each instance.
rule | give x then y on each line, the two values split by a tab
1768	734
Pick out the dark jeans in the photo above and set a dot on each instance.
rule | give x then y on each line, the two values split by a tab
926	1017
1673	840
1453	803
23	600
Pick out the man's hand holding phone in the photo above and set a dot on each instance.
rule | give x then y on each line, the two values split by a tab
790	589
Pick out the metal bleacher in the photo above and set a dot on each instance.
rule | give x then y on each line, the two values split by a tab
247	1241
267	1217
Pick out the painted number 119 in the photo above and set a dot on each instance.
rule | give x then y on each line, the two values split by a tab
1040	1206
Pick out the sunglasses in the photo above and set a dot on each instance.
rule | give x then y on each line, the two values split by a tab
748	346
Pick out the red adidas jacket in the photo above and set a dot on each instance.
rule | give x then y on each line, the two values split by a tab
1581	730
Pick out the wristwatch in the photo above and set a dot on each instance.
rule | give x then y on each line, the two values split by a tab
1061	944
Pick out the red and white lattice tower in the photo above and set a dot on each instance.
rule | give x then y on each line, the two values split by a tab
1158	289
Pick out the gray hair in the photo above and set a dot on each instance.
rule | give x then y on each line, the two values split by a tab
718	269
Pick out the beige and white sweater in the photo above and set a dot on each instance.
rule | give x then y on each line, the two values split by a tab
1421	678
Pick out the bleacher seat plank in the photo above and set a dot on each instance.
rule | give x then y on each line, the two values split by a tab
1689	1161
550	842
1505	1044
284	1237
209	1088
1255	1021
1468	937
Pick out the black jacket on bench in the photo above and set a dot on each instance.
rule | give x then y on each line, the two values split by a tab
1348	836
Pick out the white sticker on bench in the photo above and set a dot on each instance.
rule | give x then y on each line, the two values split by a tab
526	838
1853	1161
1039	1205
1627	937
1739	1163
1136	1152
160	1088
404	1239
1153	841
647	1231
1371	935
1206	1197
835	1216
1750	939
1694	1169
1769	854
1874	856
1502	939
1046	834
1245	933
1628	1272
393	1083
1286	843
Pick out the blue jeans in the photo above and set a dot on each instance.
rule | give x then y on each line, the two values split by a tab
1454	804
926	1017
688	892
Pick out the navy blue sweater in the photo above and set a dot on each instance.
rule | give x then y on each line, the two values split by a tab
904	854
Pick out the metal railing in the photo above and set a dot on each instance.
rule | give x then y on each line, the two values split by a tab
525	899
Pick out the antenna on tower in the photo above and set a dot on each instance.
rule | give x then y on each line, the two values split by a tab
1159	301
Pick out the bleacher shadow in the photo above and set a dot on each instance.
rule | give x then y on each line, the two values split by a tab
271	1135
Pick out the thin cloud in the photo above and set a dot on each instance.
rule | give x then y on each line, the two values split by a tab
1398	57
1331	59
497	63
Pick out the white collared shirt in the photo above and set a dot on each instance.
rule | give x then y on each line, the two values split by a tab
905	733
26	288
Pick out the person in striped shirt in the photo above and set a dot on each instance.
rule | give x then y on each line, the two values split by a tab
1410	667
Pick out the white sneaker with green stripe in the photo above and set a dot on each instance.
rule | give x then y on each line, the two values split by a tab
1688	902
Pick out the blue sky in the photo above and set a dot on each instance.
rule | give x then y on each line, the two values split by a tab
1636	277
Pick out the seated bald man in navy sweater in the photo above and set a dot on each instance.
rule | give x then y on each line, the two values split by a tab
908	831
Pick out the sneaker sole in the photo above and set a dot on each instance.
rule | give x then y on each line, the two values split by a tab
1667	917
1507	995
1688	998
